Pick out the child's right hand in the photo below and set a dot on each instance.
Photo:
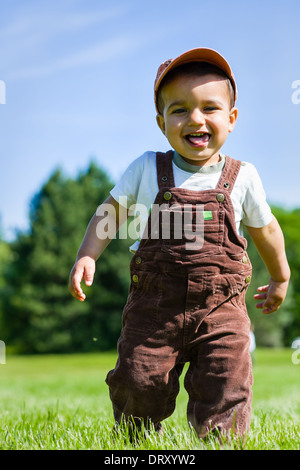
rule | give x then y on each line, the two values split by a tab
84	268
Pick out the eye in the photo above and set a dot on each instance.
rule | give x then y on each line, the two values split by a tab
209	109
178	111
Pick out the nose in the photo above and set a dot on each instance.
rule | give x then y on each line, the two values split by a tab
196	117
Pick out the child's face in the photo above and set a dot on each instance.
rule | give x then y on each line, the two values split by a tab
197	117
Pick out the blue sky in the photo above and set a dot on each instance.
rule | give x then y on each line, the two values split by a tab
79	86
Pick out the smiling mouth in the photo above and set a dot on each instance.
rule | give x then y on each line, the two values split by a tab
198	139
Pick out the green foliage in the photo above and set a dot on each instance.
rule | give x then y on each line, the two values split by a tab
6	257
290	224
277	329
39	314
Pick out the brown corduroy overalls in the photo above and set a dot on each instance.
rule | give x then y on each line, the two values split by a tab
187	305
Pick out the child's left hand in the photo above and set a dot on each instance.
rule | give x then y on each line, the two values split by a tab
274	294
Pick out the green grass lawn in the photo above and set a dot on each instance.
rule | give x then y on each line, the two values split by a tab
62	402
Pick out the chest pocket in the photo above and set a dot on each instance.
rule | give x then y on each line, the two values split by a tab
196	230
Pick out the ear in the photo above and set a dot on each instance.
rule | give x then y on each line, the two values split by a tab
232	118
161	123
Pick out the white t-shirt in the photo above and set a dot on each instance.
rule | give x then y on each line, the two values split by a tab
138	187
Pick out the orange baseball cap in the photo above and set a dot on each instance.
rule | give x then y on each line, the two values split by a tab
200	54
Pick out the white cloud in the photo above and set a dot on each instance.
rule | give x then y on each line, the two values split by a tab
83	20
52	21
95	54
32	37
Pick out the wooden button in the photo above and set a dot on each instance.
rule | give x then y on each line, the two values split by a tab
167	195
220	197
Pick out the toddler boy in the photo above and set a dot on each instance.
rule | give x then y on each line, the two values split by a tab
190	269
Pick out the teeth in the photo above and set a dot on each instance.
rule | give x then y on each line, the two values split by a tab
199	134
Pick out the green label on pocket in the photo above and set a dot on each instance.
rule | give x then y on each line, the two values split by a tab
207	215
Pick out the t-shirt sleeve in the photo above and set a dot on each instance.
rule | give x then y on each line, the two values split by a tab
257	212
127	188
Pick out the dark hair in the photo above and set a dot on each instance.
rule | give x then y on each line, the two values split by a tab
198	69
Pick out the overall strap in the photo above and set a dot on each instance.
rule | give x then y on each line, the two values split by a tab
229	174
165	176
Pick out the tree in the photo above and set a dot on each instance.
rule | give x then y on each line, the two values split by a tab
5	259
290	223
39	313
278	328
